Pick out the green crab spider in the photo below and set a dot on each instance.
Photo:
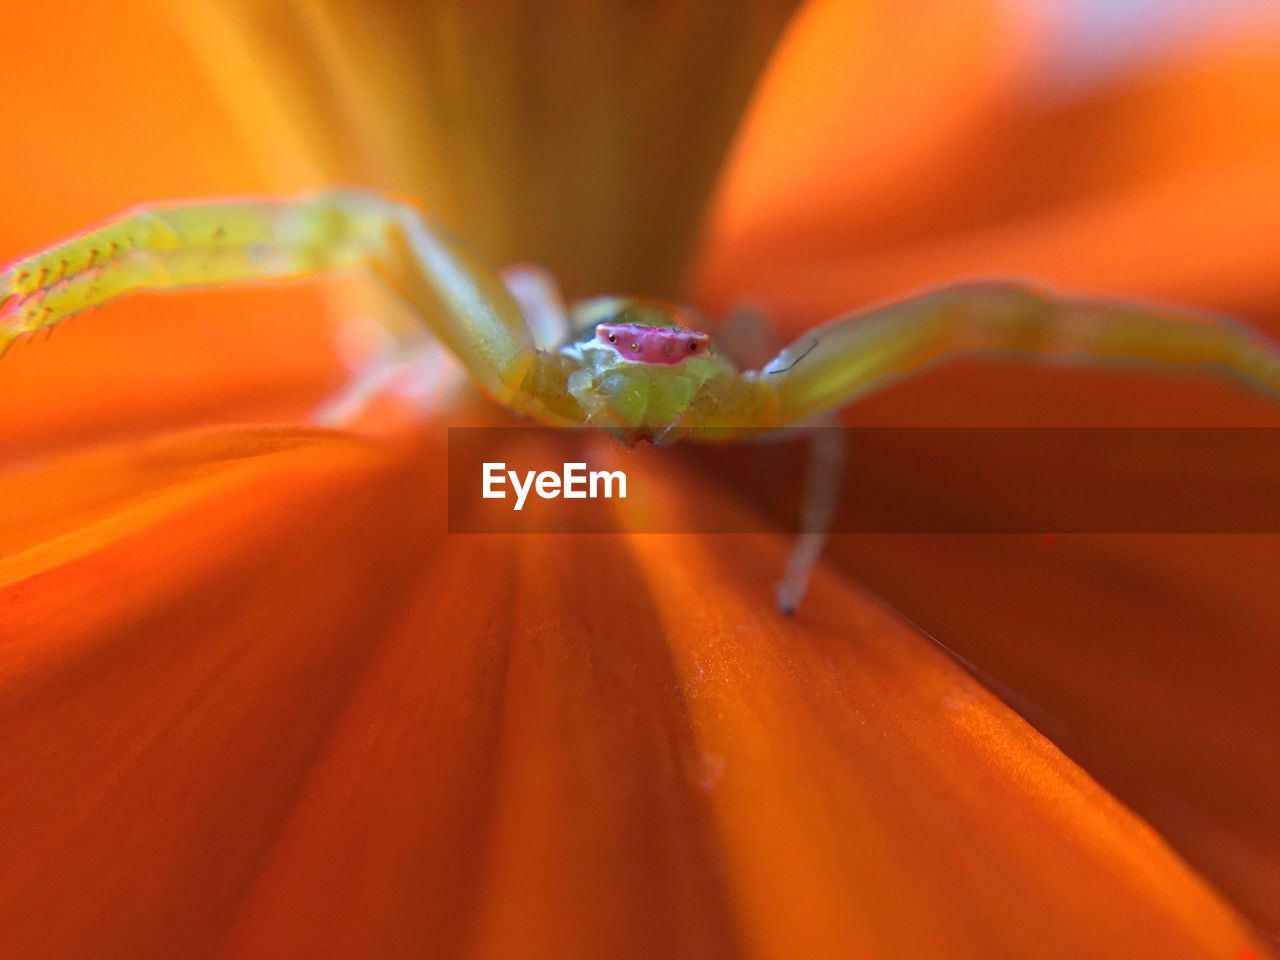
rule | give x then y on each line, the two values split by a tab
635	366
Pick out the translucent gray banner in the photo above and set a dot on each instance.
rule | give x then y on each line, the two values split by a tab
893	480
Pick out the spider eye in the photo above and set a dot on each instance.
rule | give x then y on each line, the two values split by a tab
635	347
613	338
693	347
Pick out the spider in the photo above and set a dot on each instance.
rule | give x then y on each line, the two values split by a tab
634	366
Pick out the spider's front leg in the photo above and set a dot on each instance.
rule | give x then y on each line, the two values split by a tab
841	361
463	303
835	364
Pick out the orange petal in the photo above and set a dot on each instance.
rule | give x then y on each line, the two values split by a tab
278	714
56	512
932	801
166	361
855	124
1139	655
1148	659
176	643
1160	185
108	111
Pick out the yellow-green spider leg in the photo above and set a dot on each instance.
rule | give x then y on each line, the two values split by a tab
835	364
160	247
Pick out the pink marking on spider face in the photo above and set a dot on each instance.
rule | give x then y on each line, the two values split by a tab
641	344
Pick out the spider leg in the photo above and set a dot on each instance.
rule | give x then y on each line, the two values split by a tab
827	453
835	364
746	337
538	295
464	304
417	370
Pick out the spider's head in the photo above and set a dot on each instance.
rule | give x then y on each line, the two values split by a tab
638	330
640	362
652	333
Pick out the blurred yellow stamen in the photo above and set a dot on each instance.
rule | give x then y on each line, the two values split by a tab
587	141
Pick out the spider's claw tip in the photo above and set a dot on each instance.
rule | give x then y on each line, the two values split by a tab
786	603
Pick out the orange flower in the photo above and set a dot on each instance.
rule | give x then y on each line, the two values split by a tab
257	702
